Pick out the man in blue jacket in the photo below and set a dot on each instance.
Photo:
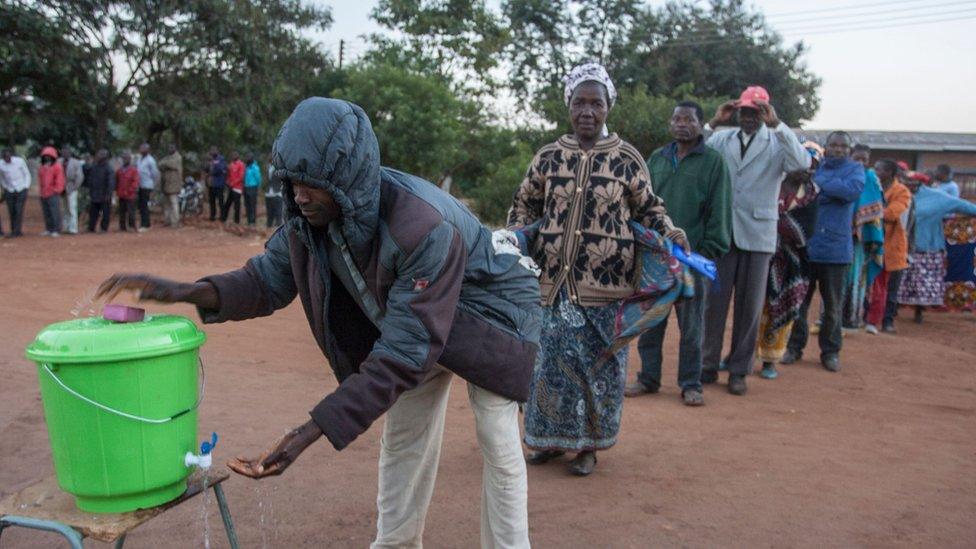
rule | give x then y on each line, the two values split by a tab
403	288
830	249
218	182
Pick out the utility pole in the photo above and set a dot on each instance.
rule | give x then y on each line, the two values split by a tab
342	48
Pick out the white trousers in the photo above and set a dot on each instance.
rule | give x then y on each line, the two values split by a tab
71	219
410	450
171	209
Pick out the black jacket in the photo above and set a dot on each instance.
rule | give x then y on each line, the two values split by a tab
100	182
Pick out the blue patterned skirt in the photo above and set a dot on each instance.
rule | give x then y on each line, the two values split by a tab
575	402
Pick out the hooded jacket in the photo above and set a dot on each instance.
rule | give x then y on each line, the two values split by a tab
841	181
426	284
50	177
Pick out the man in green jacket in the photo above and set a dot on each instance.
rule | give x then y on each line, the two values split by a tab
694	182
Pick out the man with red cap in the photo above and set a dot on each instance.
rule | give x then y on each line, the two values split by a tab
758	153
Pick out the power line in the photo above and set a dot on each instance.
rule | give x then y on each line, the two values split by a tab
837	9
797	25
720	40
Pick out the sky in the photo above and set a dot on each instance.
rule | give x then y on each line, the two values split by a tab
887	73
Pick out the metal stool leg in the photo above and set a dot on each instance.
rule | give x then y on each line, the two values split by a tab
225	515
69	533
120	542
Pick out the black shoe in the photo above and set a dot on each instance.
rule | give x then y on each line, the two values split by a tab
584	462
790	357
831	363
709	376
542	456
737	384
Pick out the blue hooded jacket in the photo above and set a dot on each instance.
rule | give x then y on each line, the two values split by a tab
841	181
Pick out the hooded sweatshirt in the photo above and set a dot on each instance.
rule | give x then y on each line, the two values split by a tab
421	282
50	177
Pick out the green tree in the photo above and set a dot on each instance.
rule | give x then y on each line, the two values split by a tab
721	49
416	118
455	40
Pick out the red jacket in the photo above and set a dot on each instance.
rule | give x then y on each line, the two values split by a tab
50	179
127	182
235	175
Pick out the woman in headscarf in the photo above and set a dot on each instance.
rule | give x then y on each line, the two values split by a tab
868	242
789	272
924	282
575	203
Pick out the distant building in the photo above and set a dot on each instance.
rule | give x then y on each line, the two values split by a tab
923	151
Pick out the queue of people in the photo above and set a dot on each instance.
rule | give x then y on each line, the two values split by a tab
404	289
128	184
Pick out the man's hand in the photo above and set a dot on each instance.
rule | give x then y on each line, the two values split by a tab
283	453
723	115
151	288
767	113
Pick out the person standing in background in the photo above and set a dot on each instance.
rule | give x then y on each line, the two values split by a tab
15	177
100	181
235	183
924	282
884	290
218	182
758	153
50	182
943	181
126	188
693	181
789	268
868	233
273	198
252	182
171	168
74	177
830	250
148	179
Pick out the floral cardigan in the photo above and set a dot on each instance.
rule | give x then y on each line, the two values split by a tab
580	203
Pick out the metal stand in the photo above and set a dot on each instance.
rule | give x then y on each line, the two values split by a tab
43	506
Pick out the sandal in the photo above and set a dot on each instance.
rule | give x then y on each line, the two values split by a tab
542	456
583	464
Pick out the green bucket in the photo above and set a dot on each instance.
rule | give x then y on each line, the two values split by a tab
120	400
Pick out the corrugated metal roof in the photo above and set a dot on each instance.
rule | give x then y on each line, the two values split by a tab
904	141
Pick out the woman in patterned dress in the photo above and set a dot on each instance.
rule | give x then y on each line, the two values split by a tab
577	197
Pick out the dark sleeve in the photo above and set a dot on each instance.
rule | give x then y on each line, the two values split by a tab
264	285
718	227
529	198
419	314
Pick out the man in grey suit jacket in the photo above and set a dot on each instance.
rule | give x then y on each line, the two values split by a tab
758	153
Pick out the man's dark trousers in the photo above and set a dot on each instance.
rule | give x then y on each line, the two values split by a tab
15	207
216	202
831	279
746	273
96	209
691	315
251	204
144	195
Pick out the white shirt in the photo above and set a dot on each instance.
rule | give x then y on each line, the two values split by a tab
16	175
148	172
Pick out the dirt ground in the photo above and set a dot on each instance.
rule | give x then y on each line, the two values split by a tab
881	454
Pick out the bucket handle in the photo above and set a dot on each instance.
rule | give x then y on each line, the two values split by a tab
203	386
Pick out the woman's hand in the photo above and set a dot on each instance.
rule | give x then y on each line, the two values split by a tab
151	288
282	453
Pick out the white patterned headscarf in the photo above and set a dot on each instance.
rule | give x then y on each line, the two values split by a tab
589	72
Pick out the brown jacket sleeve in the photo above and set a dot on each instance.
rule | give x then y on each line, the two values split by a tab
529	198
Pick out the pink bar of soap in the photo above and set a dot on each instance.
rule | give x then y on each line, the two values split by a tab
123	313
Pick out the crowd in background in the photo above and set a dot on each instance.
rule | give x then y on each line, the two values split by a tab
782	218
94	188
